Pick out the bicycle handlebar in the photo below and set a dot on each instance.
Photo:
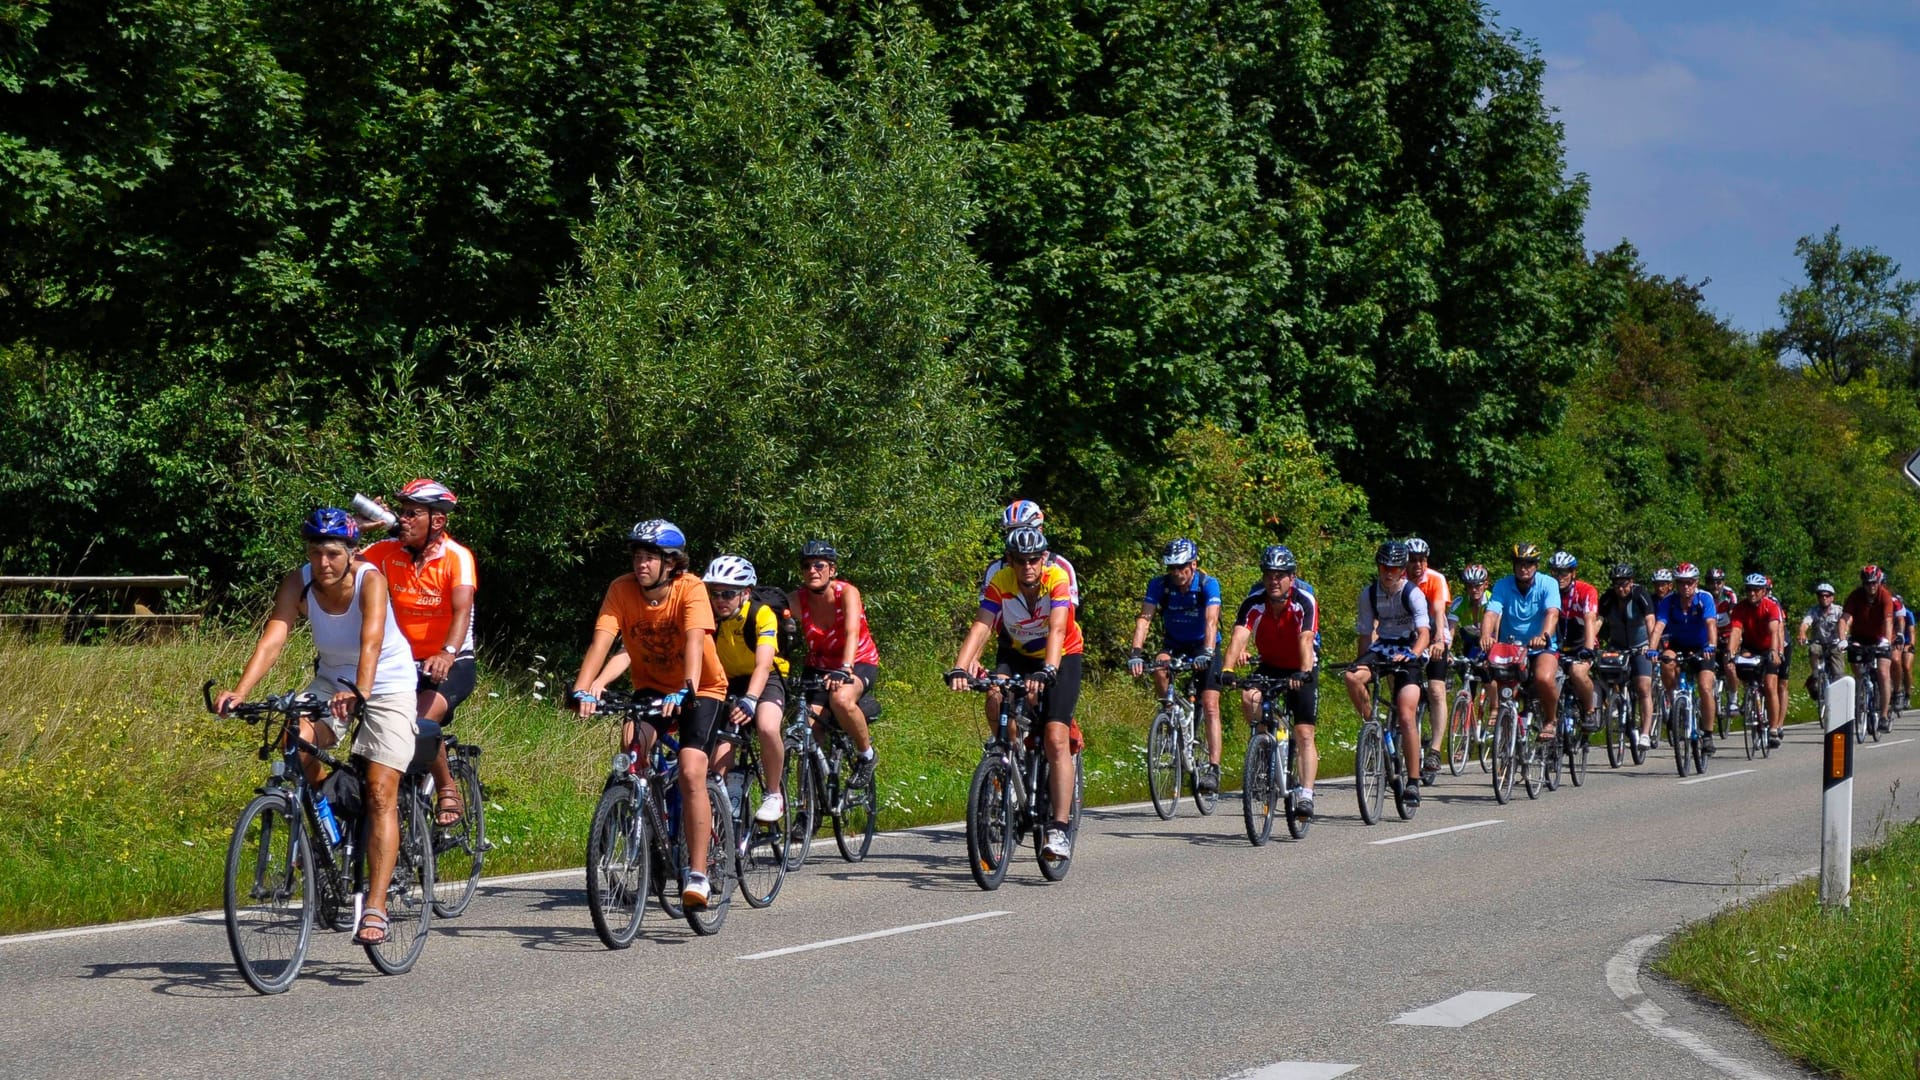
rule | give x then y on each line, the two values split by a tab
293	703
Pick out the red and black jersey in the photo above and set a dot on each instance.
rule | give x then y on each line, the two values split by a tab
1277	625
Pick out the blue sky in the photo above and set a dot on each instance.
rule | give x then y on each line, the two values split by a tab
1716	134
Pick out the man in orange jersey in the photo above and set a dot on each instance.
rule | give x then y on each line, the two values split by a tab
431	580
662	615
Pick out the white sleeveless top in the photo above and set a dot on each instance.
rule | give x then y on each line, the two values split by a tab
337	637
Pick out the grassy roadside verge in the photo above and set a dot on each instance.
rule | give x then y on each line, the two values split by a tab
1840	992
118	790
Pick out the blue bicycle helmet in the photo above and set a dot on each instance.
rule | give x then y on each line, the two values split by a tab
1277	557
661	535
1180	552
330	523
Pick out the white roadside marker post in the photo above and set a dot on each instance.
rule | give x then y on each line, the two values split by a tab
1836	797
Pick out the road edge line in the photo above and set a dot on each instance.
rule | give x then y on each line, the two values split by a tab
1623	978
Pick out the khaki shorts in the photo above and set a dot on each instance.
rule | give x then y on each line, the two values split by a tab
389	733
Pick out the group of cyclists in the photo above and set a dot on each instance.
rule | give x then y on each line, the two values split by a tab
393	624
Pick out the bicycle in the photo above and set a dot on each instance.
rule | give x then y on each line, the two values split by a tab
460	849
1619	709
1010	794
1377	757
821	778
1753	713
1271	770
1683	721
635	839
759	848
1174	749
1866	690
1507	671
1575	742
287	866
1467	735
1818	680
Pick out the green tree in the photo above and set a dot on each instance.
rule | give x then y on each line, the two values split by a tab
1854	314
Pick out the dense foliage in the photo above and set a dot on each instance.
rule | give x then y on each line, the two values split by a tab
1249	270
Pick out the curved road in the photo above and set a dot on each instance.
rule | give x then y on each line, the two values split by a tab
1175	950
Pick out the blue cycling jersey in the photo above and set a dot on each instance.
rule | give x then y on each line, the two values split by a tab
1523	613
1686	623
1183	612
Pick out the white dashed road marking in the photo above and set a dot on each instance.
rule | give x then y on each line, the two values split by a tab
771	953
1297	1070
1438	832
1461	1009
1715	776
1884	745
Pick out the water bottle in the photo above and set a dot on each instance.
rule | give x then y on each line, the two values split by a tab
736	789
324	811
372	512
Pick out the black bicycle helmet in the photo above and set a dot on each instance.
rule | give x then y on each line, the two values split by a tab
1278	558
1391	553
820	549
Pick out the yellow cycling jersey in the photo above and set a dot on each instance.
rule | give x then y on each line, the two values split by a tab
736	652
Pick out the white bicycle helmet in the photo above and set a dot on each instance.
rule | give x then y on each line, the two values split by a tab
1756	581
731	570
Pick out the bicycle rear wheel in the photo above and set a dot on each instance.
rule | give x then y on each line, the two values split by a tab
1370	772
760	846
1577	756
1752	731
803	803
1195	755
617	867
269	893
990	820
1258	784
1056	869
1460	722
856	814
719	869
1613	728
1297	822
1631	721
410	893
1532	761
1163	766
459	849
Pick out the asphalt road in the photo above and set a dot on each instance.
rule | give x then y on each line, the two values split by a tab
1175	949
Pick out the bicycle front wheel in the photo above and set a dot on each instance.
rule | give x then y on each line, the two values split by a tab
1753	732
617	867
1679	722
1370	772
410	892
458	849
990	820
1501	749
269	893
1613	728
760	846
719	869
803	804
1298	822
1258	784
1460	722
1577	756
1056	869
1163	766
857	815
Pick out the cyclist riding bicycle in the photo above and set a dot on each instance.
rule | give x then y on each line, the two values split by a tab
1757	627
1820	633
431	580
1469	610
1030	605
1188	602
1393	630
1580	617
1026	513
661	614
833	616
1902	653
747	641
1280	621
1433	584
352	623
1686	623
1723	603
1866	621
1524	610
1626	624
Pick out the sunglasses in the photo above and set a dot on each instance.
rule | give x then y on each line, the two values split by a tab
1034	560
815	564
728	594
412	511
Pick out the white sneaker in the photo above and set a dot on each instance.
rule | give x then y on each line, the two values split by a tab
771	808
1640	740
1058	847
694	893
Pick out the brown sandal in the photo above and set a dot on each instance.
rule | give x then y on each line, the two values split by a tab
449	803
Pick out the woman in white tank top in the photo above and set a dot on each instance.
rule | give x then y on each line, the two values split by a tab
358	640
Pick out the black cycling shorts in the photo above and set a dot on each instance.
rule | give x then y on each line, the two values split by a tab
1064	696
1210	678
457	686
1438	668
866	673
1303	701
696	723
1403	676
775	690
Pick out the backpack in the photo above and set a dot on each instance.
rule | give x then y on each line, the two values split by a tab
1406	600
791	642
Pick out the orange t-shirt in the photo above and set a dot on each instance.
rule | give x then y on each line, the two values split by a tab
423	597
656	634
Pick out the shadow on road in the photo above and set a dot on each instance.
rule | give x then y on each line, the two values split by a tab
1235	838
201	979
946	872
